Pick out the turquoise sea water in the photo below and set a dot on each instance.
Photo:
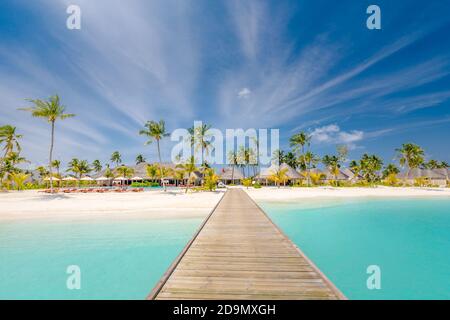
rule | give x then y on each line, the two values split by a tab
118	259
409	239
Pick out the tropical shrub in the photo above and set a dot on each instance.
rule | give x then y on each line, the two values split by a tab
247	182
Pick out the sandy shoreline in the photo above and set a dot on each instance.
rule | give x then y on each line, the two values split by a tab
16	206
292	194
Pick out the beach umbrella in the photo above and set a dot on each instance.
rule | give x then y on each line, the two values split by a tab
52	178
86	179
120	179
137	178
70	179
102	179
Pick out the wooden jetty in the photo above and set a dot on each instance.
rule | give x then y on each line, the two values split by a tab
239	253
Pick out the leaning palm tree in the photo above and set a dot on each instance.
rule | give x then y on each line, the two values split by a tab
51	111
116	158
411	156
156	131
10	138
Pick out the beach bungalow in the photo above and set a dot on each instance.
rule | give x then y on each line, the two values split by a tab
344	175
228	176
434	177
291	173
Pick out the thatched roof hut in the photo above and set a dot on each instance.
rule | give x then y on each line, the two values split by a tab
291	173
227	174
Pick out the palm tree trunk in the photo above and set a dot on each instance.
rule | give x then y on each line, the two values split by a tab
160	166
406	176
51	156
232	174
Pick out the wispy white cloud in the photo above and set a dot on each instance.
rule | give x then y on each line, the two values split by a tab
333	134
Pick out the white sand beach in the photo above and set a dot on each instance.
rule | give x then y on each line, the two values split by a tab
154	204
171	204
291	194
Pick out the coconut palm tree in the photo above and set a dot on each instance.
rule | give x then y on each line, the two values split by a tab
116	158
152	171
57	165
291	160
79	168
200	135
10	139
211	179
279	176
139	159
124	171
298	142
390	169
97	166
233	160
188	167
370	165
278	156
50	110
19	179
333	164
431	164
156	131
311	161
411	156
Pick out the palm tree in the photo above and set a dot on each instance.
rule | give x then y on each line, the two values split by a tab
152	171
370	165
139	159
278	156
156	131
97	166
311	161
390	169
432	164
116	158
291	160
57	165
279	176
188	168
298	142
211	179
10	138
411	156
355	168
200	135
333	164
79	168
19	179
124	171
51	111
234	161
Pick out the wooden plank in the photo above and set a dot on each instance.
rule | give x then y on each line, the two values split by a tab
239	253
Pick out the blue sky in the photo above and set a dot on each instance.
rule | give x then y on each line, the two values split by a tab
292	65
